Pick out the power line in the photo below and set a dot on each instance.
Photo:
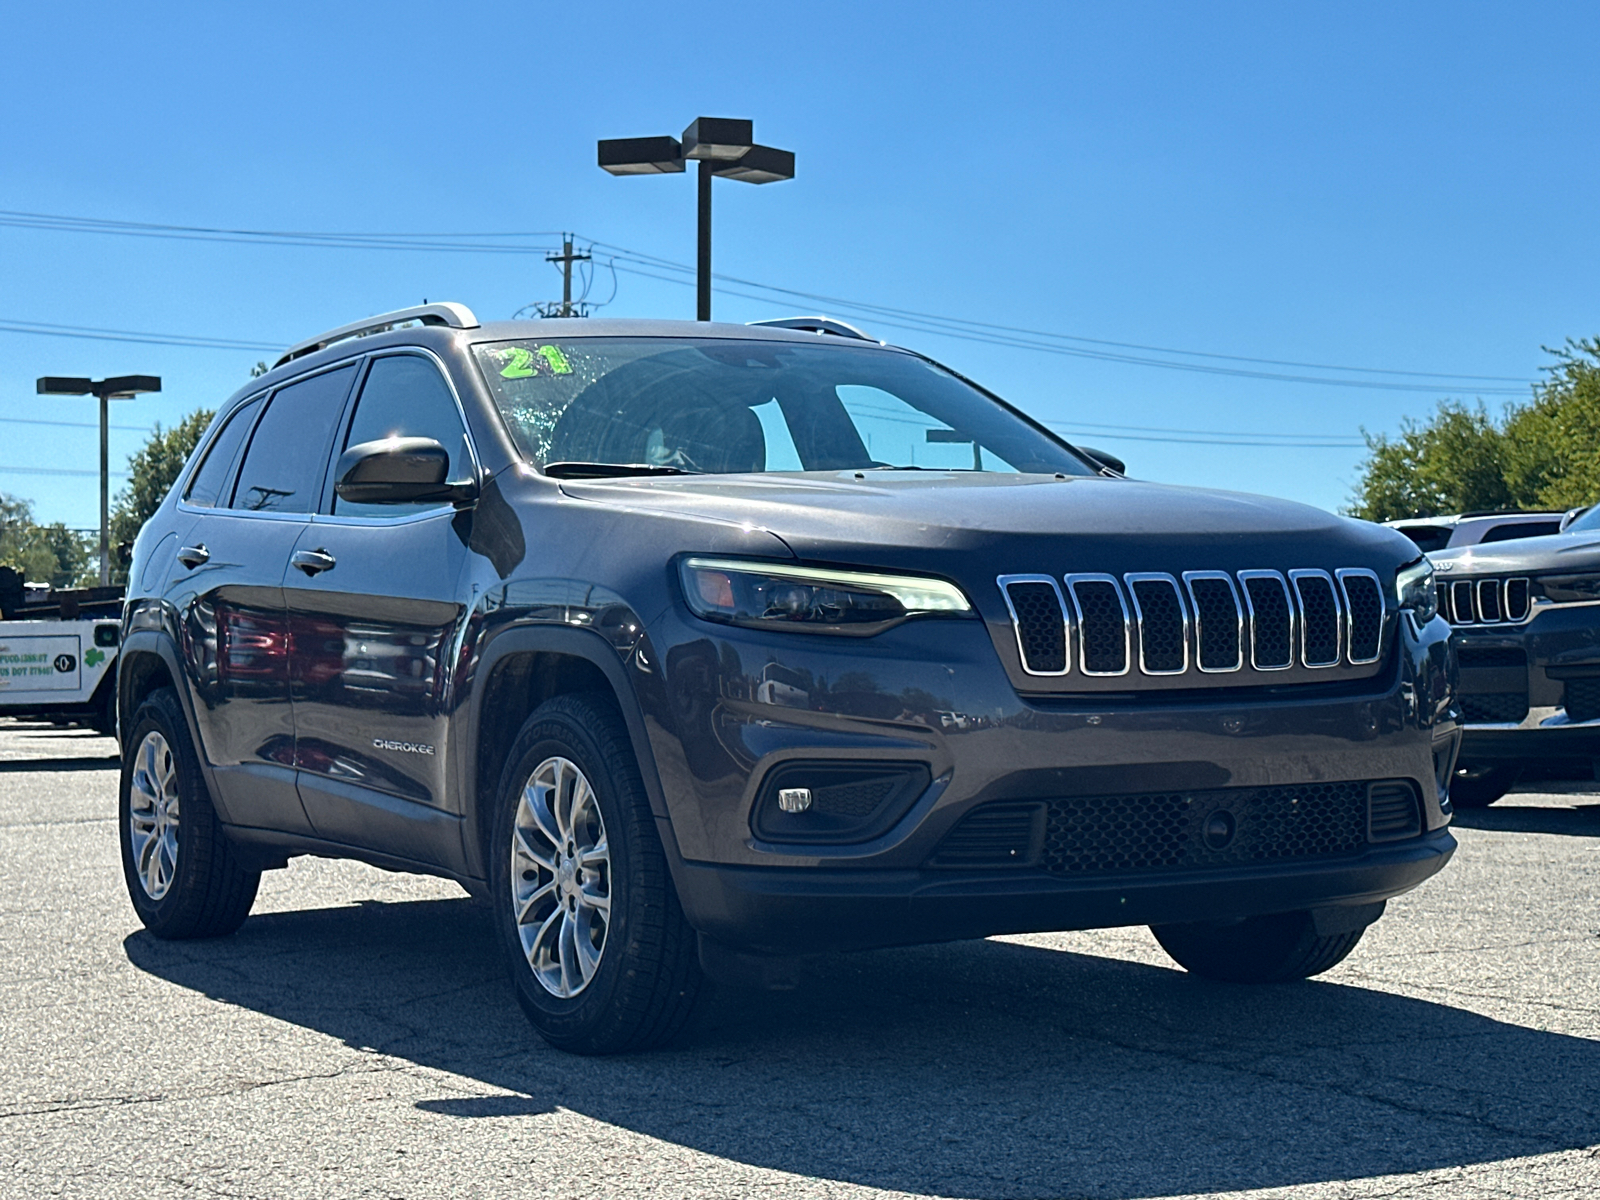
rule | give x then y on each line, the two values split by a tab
58	471
457	243
1025	342
91	333
920	322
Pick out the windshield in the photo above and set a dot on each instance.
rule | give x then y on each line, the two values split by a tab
723	406
1586	522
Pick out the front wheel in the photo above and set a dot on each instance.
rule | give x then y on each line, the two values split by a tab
183	875
600	954
1271	949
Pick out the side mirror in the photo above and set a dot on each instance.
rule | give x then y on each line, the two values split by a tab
1571	515
1104	459
402	470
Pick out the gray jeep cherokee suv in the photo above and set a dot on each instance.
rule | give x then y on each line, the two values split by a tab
695	649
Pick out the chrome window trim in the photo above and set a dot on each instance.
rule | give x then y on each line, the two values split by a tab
1238	609
1295	577
1134	577
1072	582
1288	604
1342	574
1471	617
1005	582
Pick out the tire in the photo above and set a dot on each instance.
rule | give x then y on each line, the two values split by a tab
183	875
1271	949
629	976
1479	787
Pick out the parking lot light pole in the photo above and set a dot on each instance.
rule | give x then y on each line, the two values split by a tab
119	387
722	146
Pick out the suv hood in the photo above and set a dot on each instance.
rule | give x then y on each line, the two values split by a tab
1521	556
921	516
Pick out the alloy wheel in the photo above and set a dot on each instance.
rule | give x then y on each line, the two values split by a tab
153	815
560	877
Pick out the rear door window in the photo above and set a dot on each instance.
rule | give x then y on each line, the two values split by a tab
283	468
206	486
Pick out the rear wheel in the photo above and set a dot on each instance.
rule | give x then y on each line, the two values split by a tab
183	874
1479	787
600	954
1270	949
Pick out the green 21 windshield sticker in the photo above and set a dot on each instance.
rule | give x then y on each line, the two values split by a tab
522	363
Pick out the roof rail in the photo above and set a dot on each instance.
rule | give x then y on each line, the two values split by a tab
818	325
456	316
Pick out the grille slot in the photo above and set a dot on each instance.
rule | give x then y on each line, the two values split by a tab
1462	610
1517	600
1040	619
1496	708
1489	600
1582	699
994	835
1319	618
1271	620
1102	624
1392	812
1162	623
1364	610
1218	621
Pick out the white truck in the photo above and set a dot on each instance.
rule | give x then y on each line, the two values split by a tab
58	655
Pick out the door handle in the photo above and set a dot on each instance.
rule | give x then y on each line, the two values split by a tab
313	562
194	556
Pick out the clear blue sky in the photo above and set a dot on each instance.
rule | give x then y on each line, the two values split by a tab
1410	187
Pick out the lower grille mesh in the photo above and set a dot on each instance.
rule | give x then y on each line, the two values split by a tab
1184	831
1494	707
1583	699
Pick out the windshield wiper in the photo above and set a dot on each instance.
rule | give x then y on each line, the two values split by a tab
601	470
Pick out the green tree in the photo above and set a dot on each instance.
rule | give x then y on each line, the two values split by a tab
1454	462
151	474
1553	444
1541	454
50	554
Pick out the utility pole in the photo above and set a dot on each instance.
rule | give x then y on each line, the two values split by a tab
566	258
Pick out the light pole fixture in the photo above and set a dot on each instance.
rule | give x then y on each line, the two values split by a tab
119	387
722	146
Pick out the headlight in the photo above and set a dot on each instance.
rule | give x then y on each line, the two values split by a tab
1570	589
1414	591
812	599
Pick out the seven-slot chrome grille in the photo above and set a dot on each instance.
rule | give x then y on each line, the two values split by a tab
1485	601
1209	621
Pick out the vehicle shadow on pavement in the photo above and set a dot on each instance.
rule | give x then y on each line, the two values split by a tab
976	1069
25	765
1580	821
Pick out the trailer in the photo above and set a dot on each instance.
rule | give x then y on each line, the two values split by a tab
58	653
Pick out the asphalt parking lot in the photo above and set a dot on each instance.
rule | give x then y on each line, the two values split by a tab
355	1039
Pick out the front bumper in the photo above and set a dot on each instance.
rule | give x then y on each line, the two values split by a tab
1528	691
737	705
795	911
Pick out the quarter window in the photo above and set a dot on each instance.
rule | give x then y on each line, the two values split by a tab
206	486
405	396
282	470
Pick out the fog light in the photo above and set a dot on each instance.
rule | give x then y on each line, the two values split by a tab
794	800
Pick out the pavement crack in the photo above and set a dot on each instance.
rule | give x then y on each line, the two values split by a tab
101	1102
